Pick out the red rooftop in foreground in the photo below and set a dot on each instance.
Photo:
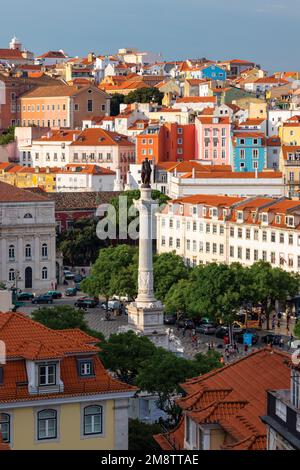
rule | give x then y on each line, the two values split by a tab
222	408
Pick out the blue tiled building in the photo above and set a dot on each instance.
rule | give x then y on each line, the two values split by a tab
249	151
214	72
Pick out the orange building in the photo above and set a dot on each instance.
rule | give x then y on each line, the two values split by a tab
170	142
63	106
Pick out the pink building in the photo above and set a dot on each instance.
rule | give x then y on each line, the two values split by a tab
213	140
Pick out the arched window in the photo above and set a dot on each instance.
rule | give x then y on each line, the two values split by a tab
28	216
47	424
11	275
93	420
44	273
5	427
11	252
44	250
28	251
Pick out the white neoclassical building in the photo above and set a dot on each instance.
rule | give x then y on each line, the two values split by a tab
27	239
224	229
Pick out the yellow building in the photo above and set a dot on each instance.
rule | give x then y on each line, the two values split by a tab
55	393
289	131
25	177
257	109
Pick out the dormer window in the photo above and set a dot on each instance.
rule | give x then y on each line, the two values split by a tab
277	219
194	210
289	220
181	209
263	218
204	211
213	212
240	216
85	367
47	374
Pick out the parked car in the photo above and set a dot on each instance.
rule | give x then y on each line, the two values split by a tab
68	275
185	323
77	277
55	294
206	329
86	302
77	285
239	337
43	299
271	338
71	291
25	296
223	330
170	319
112	305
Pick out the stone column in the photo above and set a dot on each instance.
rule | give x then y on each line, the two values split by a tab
145	278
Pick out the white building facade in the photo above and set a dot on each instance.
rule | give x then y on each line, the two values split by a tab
204	229
27	239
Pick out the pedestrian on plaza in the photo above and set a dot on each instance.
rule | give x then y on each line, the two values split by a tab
222	359
208	346
226	340
246	348
281	343
278	323
273	322
184	330
291	340
227	354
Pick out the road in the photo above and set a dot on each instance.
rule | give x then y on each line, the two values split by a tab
95	318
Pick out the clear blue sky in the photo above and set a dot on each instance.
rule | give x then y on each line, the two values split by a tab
247	29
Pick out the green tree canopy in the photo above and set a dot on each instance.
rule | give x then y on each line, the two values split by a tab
269	284
140	436
113	273
144	95
116	100
168	269
176	300
125	354
163	372
8	136
80	244
215	291
62	317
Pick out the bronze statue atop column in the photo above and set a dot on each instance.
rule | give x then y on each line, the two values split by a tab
146	174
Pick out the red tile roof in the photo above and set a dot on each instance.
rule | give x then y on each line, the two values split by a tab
26	339
234	397
9	193
10	54
96	137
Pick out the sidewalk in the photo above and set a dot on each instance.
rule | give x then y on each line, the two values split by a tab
284	329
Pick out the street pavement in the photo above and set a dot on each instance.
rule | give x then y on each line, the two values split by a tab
96	320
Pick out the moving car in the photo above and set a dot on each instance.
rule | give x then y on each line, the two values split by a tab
71	291
43	299
86	302
25	296
206	329
55	294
